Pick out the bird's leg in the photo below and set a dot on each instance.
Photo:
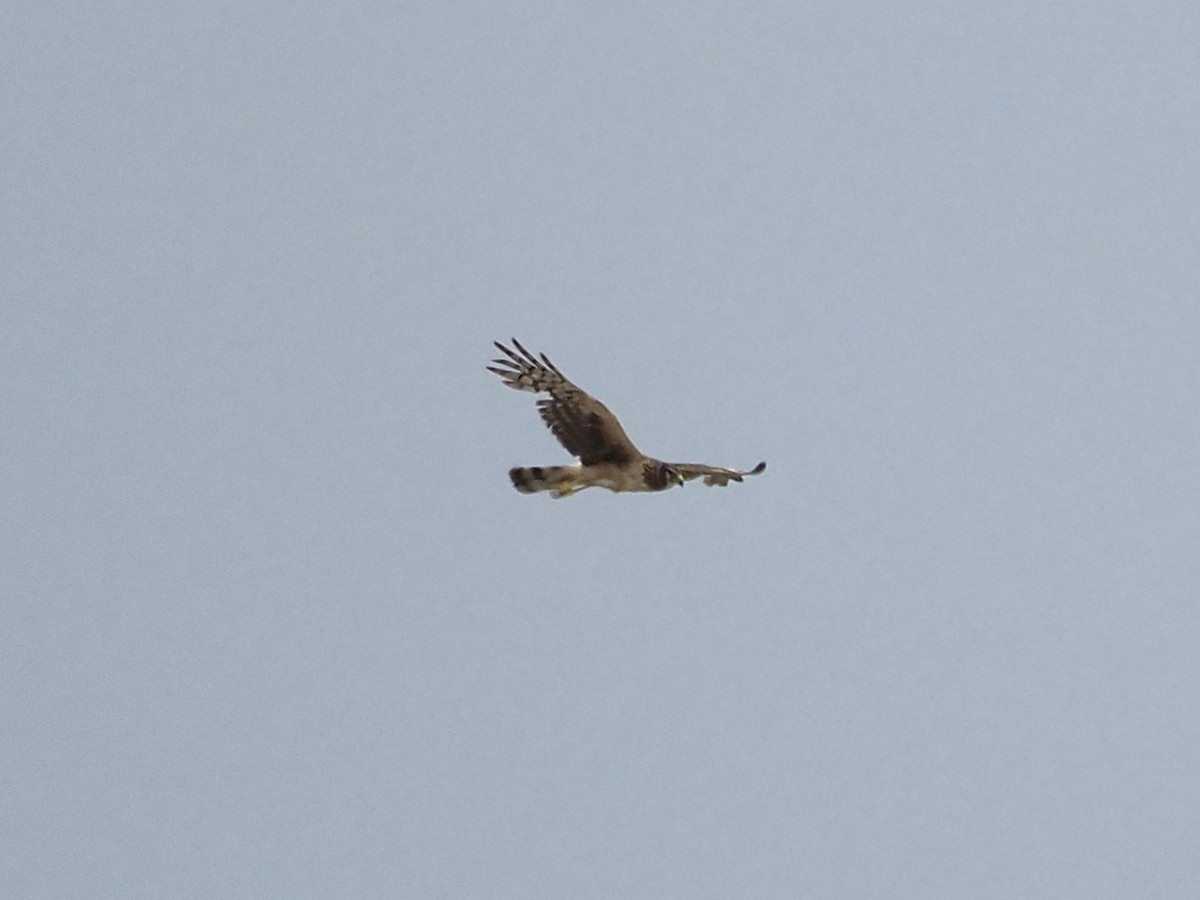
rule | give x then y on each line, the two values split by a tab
566	490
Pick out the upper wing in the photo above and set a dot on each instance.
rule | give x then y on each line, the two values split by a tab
581	423
714	475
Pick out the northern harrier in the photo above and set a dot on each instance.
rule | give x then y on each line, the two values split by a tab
582	424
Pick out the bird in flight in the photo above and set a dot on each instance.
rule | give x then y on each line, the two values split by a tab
586	428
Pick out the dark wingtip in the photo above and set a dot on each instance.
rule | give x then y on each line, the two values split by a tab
513	361
758	469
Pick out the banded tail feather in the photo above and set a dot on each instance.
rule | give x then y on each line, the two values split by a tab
531	479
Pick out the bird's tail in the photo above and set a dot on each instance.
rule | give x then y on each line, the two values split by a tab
560	479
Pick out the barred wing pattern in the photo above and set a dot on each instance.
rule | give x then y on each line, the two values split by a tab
582	424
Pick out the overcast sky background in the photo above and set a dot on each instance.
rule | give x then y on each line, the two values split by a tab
275	623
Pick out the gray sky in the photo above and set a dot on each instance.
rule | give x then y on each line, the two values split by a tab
274	622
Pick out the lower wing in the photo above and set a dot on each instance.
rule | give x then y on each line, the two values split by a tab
715	475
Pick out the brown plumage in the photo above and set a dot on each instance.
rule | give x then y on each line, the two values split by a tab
588	430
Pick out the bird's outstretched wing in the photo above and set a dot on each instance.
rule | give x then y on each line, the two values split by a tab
582	424
714	475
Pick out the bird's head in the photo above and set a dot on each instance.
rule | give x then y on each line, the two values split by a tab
660	475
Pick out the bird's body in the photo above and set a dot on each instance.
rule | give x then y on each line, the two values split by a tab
588	430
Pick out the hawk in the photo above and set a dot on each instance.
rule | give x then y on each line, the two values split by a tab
585	427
